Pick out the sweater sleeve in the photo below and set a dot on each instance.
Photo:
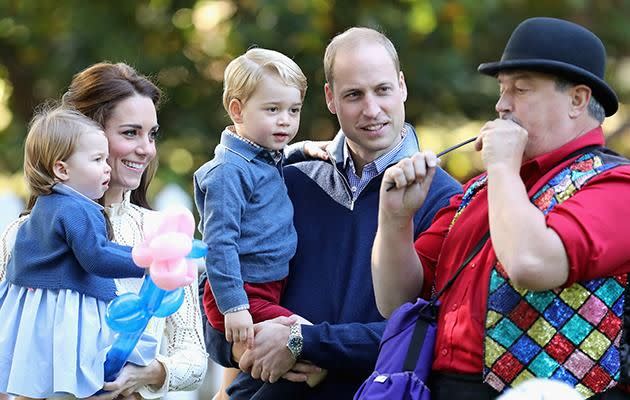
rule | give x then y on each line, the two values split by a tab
342	346
222	194
85	232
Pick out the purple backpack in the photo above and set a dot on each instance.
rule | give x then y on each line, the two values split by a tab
404	364
406	350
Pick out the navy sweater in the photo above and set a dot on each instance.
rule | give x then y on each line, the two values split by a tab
330	280
63	245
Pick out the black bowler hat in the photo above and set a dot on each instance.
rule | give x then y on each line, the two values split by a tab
560	48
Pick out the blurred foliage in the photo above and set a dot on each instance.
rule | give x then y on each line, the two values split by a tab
185	45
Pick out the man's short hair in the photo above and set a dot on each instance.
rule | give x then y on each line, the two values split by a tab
242	75
595	109
352	38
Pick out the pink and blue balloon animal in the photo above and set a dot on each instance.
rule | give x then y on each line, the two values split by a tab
168	252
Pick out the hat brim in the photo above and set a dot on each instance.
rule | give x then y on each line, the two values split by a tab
601	91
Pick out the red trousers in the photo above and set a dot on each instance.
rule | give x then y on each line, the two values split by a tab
264	299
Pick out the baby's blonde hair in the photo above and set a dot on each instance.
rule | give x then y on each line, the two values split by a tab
243	74
52	136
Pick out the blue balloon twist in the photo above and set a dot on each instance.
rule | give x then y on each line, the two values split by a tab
129	314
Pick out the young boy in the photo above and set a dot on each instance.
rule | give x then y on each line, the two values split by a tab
246	214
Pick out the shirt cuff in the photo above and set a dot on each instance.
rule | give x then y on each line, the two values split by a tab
237	308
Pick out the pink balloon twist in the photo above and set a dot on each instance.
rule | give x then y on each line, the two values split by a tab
168	239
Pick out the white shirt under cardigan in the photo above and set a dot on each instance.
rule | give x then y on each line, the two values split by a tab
181	336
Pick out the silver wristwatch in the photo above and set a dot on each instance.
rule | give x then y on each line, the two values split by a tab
295	341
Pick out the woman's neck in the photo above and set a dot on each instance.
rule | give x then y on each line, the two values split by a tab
113	196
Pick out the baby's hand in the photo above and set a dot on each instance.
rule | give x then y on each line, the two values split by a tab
239	327
316	149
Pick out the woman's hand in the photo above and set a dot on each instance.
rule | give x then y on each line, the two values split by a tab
131	379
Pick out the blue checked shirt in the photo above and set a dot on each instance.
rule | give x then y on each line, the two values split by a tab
372	169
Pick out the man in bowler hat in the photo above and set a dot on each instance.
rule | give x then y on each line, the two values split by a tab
545	295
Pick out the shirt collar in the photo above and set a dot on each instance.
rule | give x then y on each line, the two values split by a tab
406	147
538	166
245	147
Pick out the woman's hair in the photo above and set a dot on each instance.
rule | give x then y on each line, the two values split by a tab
243	74
52	136
98	89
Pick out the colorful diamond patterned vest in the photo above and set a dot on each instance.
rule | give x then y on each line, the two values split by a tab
573	334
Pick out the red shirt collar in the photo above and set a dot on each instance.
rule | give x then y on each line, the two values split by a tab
535	168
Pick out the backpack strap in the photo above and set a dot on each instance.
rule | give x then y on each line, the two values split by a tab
419	332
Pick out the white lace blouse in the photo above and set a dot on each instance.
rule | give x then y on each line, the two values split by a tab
182	346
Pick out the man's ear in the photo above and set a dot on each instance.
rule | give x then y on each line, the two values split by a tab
403	86
235	109
60	170
330	99
580	97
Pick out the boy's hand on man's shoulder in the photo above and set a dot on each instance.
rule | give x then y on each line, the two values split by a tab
316	149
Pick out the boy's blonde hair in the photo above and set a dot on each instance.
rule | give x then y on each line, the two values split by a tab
243	74
52	136
352	38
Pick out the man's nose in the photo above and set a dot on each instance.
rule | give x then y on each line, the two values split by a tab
371	107
504	104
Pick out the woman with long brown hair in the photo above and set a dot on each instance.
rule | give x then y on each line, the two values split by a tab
125	104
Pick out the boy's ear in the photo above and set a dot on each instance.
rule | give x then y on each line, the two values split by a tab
236	111
61	171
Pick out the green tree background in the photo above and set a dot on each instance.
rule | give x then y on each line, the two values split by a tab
185	45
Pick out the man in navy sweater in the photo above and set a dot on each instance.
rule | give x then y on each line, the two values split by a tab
336	207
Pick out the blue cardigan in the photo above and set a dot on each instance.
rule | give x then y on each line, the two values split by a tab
63	245
330	280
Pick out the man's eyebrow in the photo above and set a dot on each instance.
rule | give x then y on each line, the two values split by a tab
350	90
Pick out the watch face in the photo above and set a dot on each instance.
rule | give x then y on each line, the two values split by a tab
295	345
295	342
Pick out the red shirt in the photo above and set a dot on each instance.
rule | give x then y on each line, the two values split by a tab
593	226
